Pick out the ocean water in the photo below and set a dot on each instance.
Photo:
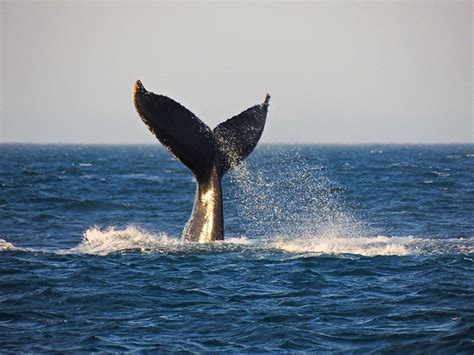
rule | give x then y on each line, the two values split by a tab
364	248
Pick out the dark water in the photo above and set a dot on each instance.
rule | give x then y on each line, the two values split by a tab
329	248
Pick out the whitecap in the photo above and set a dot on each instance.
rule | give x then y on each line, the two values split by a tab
4	245
439	173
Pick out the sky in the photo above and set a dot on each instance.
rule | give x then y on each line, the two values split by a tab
338	72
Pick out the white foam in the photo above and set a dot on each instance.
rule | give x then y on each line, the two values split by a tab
112	240
4	245
440	173
97	241
102	242
367	246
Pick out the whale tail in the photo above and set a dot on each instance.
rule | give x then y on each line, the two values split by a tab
208	154
192	141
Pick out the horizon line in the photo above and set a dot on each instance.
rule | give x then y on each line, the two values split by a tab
263	143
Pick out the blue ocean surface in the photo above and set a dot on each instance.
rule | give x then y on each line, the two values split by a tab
329	248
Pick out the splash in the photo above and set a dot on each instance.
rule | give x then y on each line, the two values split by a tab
103	242
298	200
112	240
97	241
366	246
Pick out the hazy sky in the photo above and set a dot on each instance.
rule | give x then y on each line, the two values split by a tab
338	72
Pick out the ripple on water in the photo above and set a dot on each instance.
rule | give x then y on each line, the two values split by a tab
301	270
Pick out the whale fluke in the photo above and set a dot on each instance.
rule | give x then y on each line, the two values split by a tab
238	136
177	128
208	154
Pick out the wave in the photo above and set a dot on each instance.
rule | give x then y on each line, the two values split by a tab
112	240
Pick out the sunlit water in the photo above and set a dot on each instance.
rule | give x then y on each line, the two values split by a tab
328	248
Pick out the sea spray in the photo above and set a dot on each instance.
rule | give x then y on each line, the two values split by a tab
298	201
